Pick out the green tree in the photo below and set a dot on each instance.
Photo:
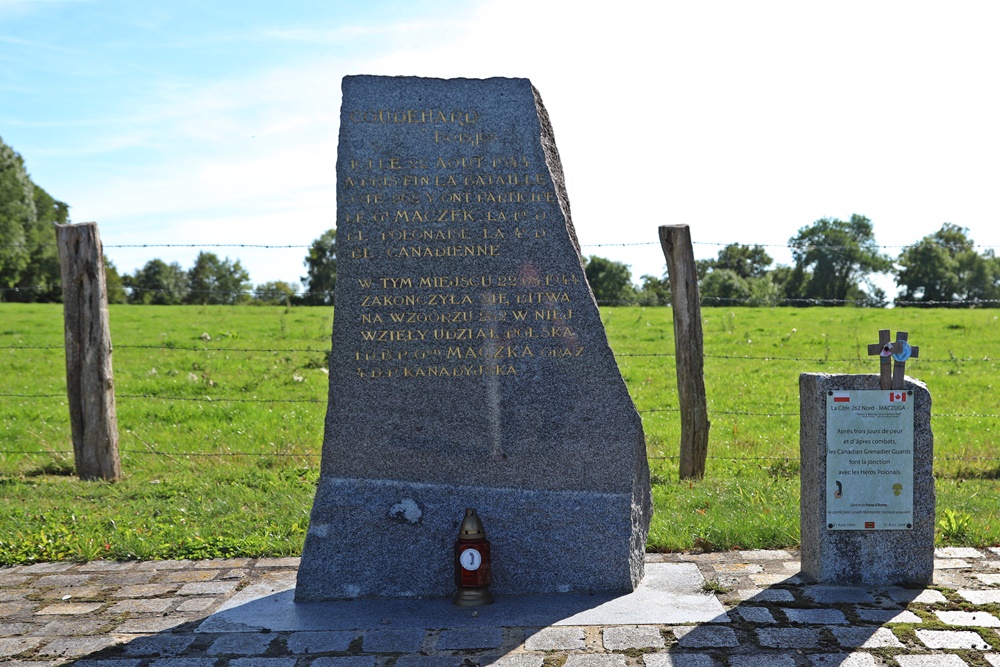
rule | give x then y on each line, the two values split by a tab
114	283
217	281
743	260
29	260
276	292
17	215
157	283
654	291
834	258
724	287
610	281
321	266
944	268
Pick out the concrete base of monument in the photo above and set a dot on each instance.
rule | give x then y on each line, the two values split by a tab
671	593
388	539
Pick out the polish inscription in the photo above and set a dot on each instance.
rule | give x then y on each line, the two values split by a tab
406	211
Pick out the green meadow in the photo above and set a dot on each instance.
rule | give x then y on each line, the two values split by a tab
220	414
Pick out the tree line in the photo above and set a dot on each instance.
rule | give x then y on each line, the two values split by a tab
834	262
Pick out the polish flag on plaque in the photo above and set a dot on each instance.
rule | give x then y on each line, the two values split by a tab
841	397
897	397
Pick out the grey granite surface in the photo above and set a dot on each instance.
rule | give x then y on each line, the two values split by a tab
469	365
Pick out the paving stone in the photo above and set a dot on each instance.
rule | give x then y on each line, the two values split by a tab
407	640
957	552
68	627
766	595
761	661
63	580
555	639
221	563
839	595
8	594
15	629
14	580
954	639
787	637
320	642
179	662
513	660
290	561
237	573
241	643
738	568
979	619
13	645
942	660
142	606
8	609
70	608
596	660
815	616
143	626
73	592
159	645
129	578
989	579
208	588
993	659
917	595
776	554
46	568
73	647
164	565
469	638
361	661
842	660
184	576
767	579
755	614
109	662
951	564
679	660
196	604
145	590
866	638
262	662
624	638
106	566
883	616
705	636
981	597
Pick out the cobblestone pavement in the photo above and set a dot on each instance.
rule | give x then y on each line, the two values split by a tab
147	614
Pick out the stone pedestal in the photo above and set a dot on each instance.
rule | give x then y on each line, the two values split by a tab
469	365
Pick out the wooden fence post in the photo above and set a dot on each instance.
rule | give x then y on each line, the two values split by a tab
90	384
688	341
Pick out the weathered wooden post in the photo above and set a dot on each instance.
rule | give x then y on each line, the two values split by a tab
689	344
89	379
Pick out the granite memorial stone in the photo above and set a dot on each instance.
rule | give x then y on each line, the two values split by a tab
867	496
469	365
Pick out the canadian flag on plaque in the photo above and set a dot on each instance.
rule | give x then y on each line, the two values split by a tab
897	396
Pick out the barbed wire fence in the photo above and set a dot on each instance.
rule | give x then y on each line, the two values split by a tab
148	451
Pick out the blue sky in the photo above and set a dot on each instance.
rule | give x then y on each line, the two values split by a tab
216	121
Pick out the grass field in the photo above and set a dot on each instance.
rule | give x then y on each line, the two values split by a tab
221	434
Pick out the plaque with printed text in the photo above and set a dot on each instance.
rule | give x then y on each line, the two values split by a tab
869	460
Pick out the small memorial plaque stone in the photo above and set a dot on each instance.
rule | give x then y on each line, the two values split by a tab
867	496
469	367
